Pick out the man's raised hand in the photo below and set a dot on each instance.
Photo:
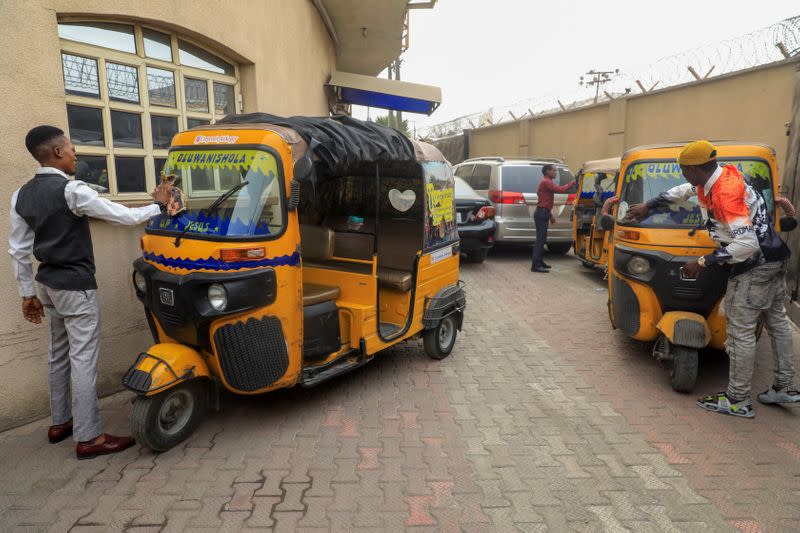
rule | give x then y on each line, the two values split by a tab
636	213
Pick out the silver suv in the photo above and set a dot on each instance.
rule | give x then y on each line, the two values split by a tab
510	184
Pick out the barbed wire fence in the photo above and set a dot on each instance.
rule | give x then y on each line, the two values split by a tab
778	42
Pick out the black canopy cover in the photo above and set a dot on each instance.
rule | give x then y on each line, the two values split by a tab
340	141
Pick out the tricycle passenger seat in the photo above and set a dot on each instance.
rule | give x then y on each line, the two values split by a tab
314	294
316	242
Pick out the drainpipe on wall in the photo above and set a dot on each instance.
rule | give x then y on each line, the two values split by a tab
326	19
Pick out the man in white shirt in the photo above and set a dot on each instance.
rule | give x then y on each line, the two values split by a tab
50	219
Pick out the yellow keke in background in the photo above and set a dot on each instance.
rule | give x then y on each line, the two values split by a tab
597	183
649	299
295	262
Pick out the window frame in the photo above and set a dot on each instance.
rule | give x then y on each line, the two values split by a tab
474	177
143	108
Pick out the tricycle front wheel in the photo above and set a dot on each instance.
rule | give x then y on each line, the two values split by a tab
162	421
682	362
683	371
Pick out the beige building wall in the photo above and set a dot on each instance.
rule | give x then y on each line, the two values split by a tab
285	56
573	137
752	105
495	140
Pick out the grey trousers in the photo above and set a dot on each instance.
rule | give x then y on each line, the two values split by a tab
760	292
74	348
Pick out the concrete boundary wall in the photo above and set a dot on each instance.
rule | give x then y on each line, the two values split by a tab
754	104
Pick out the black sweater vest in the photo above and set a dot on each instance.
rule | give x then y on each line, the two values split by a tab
62	243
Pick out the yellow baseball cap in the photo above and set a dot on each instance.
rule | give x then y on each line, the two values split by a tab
697	153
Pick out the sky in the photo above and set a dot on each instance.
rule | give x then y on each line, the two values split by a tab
493	53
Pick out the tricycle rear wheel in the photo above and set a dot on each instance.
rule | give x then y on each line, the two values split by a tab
439	340
164	420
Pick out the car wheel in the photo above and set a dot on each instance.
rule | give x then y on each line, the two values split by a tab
439	341
559	248
477	256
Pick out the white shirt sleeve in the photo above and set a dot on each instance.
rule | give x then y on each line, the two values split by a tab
83	200
20	246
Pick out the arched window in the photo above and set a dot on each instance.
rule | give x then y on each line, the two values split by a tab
129	89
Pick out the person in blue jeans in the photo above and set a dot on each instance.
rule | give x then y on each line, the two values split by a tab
543	216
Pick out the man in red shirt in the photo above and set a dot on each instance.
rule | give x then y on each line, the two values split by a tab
543	215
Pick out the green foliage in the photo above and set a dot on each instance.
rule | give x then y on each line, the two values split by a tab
384	121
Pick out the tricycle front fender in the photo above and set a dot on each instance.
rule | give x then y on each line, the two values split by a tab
164	366
685	329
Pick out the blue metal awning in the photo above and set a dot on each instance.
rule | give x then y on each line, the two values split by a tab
385	94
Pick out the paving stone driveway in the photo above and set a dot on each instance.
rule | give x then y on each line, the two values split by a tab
542	420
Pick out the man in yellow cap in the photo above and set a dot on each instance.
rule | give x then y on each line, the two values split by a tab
737	219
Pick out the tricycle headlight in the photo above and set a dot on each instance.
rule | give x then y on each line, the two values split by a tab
140	282
638	266
217	297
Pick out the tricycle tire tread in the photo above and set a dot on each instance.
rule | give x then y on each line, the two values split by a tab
683	373
144	423
430	340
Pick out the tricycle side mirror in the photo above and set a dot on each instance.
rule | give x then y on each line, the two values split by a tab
606	223
788	223
302	170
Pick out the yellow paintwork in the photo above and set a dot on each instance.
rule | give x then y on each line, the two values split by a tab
356	302
650	310
675	241
288	305
590	246
667	323
184	361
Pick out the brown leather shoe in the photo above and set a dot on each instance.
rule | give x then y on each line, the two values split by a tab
111	444
59	432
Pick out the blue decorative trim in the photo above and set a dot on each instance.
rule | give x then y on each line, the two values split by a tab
213	263
589	195
201	223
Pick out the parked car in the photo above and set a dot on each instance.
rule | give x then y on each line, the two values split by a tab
510	184
475	218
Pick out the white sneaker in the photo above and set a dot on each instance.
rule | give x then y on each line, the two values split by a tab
784	395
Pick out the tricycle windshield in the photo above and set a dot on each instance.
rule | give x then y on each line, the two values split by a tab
644	181
255	210
592	181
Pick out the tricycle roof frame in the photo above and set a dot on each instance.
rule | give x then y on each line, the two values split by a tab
341	136
681	144
602	166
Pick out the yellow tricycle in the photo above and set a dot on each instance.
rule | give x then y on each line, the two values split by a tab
650	299
597	183
306	246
